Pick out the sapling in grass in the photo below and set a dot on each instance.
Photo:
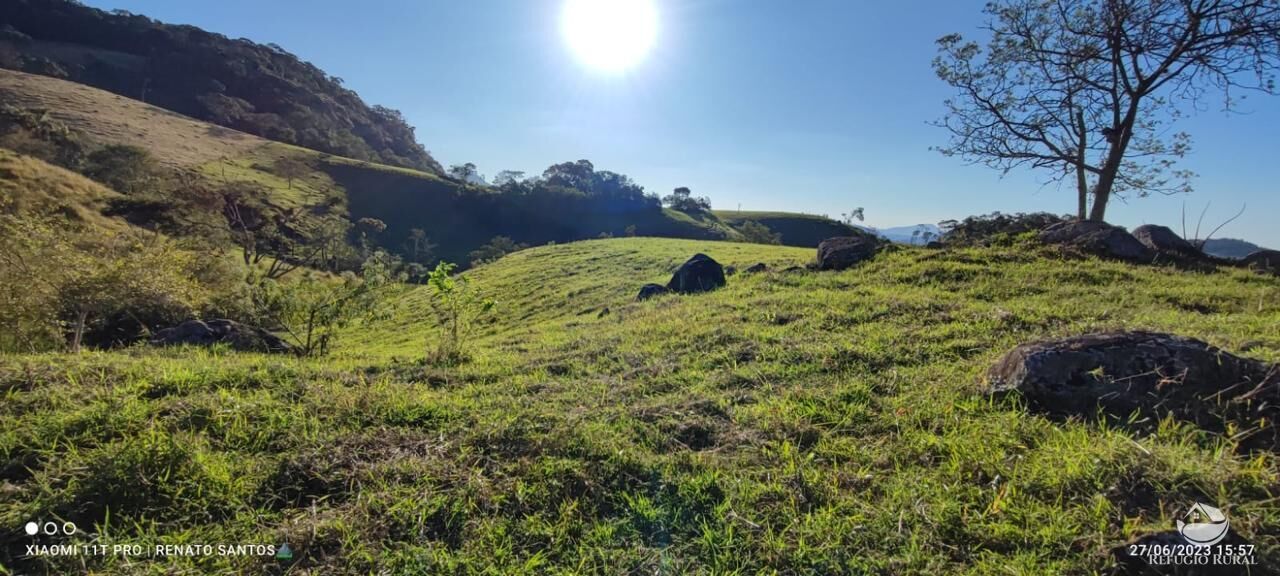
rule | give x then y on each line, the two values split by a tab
458	305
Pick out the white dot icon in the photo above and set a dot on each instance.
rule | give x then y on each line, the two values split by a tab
32	528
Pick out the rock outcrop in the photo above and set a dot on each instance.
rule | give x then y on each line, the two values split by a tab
207	333
1151	373
701	273
1264	261
1162	240
843	252
1097	238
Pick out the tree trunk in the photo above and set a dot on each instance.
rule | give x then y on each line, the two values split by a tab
1082	178
1082	193
79	331
1111	168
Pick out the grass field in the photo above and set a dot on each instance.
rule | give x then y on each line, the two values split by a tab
791	423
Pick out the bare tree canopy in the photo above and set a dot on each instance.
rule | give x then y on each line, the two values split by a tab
1087	89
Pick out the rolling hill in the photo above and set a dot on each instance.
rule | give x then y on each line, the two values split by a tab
805	230
791	422
261	89
908	234
1229	247
457	218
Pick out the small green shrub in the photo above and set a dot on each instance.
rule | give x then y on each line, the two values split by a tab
126	169
458	305
311	310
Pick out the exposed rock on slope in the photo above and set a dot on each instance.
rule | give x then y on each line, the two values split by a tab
1152	373
701	273
237	335
845	251
1265	261
1162	240
1098	238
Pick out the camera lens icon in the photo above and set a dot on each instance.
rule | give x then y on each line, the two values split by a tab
32	528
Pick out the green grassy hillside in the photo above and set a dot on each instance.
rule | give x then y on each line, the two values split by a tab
456	218
792	422
29	186
462	218
237	83
797	229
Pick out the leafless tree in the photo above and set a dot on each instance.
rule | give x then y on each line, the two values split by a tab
1086	89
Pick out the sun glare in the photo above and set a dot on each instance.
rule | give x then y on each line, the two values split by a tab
609	35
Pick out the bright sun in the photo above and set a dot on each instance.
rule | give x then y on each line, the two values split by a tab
609	35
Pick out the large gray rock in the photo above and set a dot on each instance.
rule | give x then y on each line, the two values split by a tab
842	252
1152	373
701	273
1264	261
207	333
1098	238
1165	241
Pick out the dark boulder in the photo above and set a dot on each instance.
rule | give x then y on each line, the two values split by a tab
698	274
842	252
757	268
1152	373
730	270
1264	261
1097	238
650	290
207	333
1162	240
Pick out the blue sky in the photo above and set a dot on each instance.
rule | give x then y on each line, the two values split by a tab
816	106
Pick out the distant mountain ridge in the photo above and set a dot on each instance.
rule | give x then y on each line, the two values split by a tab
240	84
1230	247
915	234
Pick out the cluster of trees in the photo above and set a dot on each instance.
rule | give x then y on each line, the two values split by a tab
35	133
73	276
70	274
107	283
494	249
259	89
757	233
62	282
683	200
